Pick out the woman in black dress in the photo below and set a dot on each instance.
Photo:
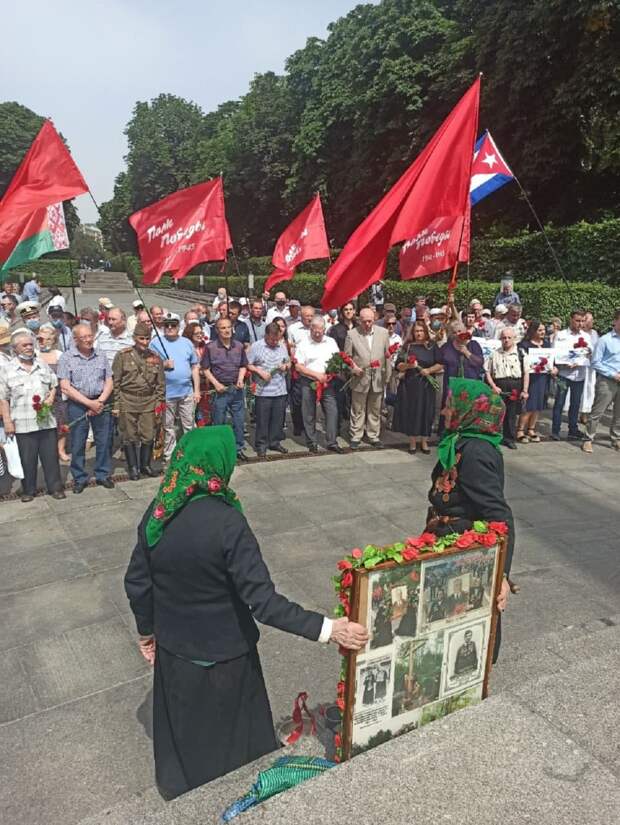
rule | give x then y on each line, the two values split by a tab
468	479
415	399
196	583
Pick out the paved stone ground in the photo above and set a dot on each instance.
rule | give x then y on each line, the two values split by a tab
75	732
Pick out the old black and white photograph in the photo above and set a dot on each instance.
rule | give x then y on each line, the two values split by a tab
466	653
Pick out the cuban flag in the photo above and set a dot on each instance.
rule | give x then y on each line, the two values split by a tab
489	170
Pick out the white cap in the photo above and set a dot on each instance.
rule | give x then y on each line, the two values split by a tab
501	308
137	303
436	311
171	316
105	302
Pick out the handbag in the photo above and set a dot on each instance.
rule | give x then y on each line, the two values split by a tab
14	462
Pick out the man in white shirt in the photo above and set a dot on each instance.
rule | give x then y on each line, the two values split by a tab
312	356
573	351
300	330
280	309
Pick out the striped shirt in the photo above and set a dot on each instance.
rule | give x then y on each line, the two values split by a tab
110	344
268	358
86	373
18	386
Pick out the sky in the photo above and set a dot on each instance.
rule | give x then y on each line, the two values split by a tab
85	64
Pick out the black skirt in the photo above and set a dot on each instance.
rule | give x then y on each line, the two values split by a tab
207	721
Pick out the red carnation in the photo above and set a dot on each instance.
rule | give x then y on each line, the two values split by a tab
499	527
410	553
375	364
341	688
344	564
214	485
581	342
465	541
340	702
487	539
357	553
543	361
347	579
412	360
160	408
36	399
337	740
63	429
428	538
464	336
514	395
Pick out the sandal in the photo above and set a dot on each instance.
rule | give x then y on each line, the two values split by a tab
521	437
533	436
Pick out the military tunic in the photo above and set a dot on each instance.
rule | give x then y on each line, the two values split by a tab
139	388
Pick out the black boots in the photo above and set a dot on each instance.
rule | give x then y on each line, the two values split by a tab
131	456
146	451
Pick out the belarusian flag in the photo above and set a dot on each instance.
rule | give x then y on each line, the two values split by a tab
46	176
46	231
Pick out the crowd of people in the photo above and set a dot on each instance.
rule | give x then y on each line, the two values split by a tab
67	379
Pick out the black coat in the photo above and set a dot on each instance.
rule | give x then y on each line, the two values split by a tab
479	490
203	584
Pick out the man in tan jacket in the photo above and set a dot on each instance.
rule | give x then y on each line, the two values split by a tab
368	346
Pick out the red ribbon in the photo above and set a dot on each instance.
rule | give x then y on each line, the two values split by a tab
298	706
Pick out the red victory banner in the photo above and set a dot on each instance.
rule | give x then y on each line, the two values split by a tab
182	230
430	197
47	175
304	239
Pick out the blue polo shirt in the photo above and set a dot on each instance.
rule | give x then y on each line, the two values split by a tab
179	380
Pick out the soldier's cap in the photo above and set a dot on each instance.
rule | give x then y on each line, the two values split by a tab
105	302
142	330
171	318
137	304
27	306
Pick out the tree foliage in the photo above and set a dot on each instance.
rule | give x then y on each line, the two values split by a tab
19	126
352	111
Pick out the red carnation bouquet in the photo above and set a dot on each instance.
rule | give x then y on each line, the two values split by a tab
412	363
42	410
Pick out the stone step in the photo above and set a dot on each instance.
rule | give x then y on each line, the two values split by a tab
542	748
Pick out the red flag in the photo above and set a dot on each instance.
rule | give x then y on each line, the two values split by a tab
46	175
304	239
435	188
182	230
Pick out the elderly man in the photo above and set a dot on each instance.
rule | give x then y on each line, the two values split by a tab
294	312
86	380
157	314
224	363
114	337
30	314
513	320
268	361
368	346
9	318
254	322
27	381
606	365
508	374
279	310
182	380
139	389
506	294
312	357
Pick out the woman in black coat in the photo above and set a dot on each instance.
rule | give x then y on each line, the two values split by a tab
196	583
468	479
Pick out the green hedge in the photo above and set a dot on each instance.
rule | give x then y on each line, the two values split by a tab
51	271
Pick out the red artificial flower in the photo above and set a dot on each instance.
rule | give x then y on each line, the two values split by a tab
344	564
344	601
465	540
428	538
487	539
341	688
36	399
336	758
464	336
214	484
412	360
410	553
159	511
337	740
347	579
499	527
375	364
357	553
340	702
393	348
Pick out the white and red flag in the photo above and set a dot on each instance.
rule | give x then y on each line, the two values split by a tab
182	230
304	239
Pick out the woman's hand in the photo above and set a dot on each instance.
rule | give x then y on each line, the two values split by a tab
502	599
351	635
147	646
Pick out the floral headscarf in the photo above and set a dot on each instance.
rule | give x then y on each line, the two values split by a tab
475	411
201	465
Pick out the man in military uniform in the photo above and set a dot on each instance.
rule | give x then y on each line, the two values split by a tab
139	389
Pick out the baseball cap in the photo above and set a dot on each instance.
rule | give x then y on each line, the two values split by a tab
501	308
171	318
294	303
105	302
137	304
436	311
486	313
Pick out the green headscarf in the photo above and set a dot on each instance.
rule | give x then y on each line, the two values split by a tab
201	465
476	412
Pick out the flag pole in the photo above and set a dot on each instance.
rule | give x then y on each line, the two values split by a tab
556	260
72	285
